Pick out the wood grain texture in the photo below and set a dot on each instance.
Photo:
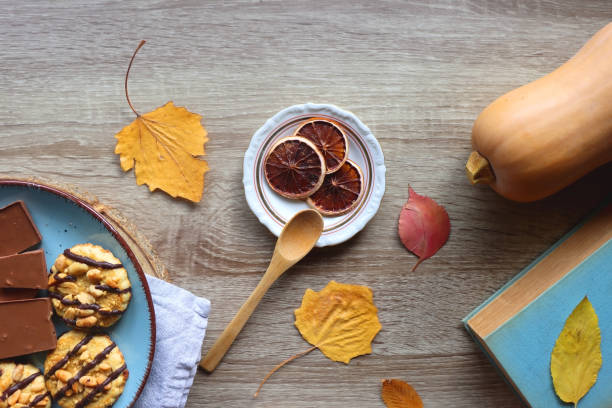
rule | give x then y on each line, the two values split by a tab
416	72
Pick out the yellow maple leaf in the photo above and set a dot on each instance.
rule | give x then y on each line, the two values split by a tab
576	358
163	148
340	320
399	394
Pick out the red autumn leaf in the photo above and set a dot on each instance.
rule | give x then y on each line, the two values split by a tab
423	226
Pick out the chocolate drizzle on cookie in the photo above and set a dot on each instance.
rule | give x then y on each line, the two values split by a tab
91	262
18	386
57	280
85	306
84	370
38	399
100	387
110	289
68	355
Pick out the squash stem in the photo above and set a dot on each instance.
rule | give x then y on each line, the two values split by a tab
478	169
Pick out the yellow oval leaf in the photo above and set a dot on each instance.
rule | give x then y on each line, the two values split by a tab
340	320
576	357
399	394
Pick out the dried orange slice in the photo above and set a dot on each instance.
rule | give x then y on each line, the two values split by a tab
329	138
340	192
294	167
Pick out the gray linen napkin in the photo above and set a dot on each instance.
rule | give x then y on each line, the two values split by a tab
181	319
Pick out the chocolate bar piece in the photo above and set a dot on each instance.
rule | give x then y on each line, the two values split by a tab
17	294
26	327
17	230
27	270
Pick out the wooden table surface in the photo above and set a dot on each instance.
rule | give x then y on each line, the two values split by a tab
416	72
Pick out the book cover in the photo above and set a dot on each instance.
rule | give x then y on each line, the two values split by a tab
518	326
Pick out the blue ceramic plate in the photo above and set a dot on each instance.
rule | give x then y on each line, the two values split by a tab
65	220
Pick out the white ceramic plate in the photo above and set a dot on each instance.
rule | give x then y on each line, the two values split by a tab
274	211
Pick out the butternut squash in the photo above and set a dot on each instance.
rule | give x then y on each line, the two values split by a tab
541	137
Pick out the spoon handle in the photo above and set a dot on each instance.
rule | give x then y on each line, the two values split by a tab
224	342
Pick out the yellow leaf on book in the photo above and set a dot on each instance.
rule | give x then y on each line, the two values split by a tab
576	357
400	394
163	148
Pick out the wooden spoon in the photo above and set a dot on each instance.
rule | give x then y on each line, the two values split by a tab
295	241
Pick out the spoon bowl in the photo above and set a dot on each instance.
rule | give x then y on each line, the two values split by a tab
299	235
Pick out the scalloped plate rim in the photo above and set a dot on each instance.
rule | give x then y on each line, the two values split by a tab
376	156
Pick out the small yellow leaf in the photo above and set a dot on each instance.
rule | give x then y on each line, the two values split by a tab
340	320
399	394
576	357
162	146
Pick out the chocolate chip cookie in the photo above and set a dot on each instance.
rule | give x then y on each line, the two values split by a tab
85	370
89	288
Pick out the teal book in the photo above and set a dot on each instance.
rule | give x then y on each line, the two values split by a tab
518	326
